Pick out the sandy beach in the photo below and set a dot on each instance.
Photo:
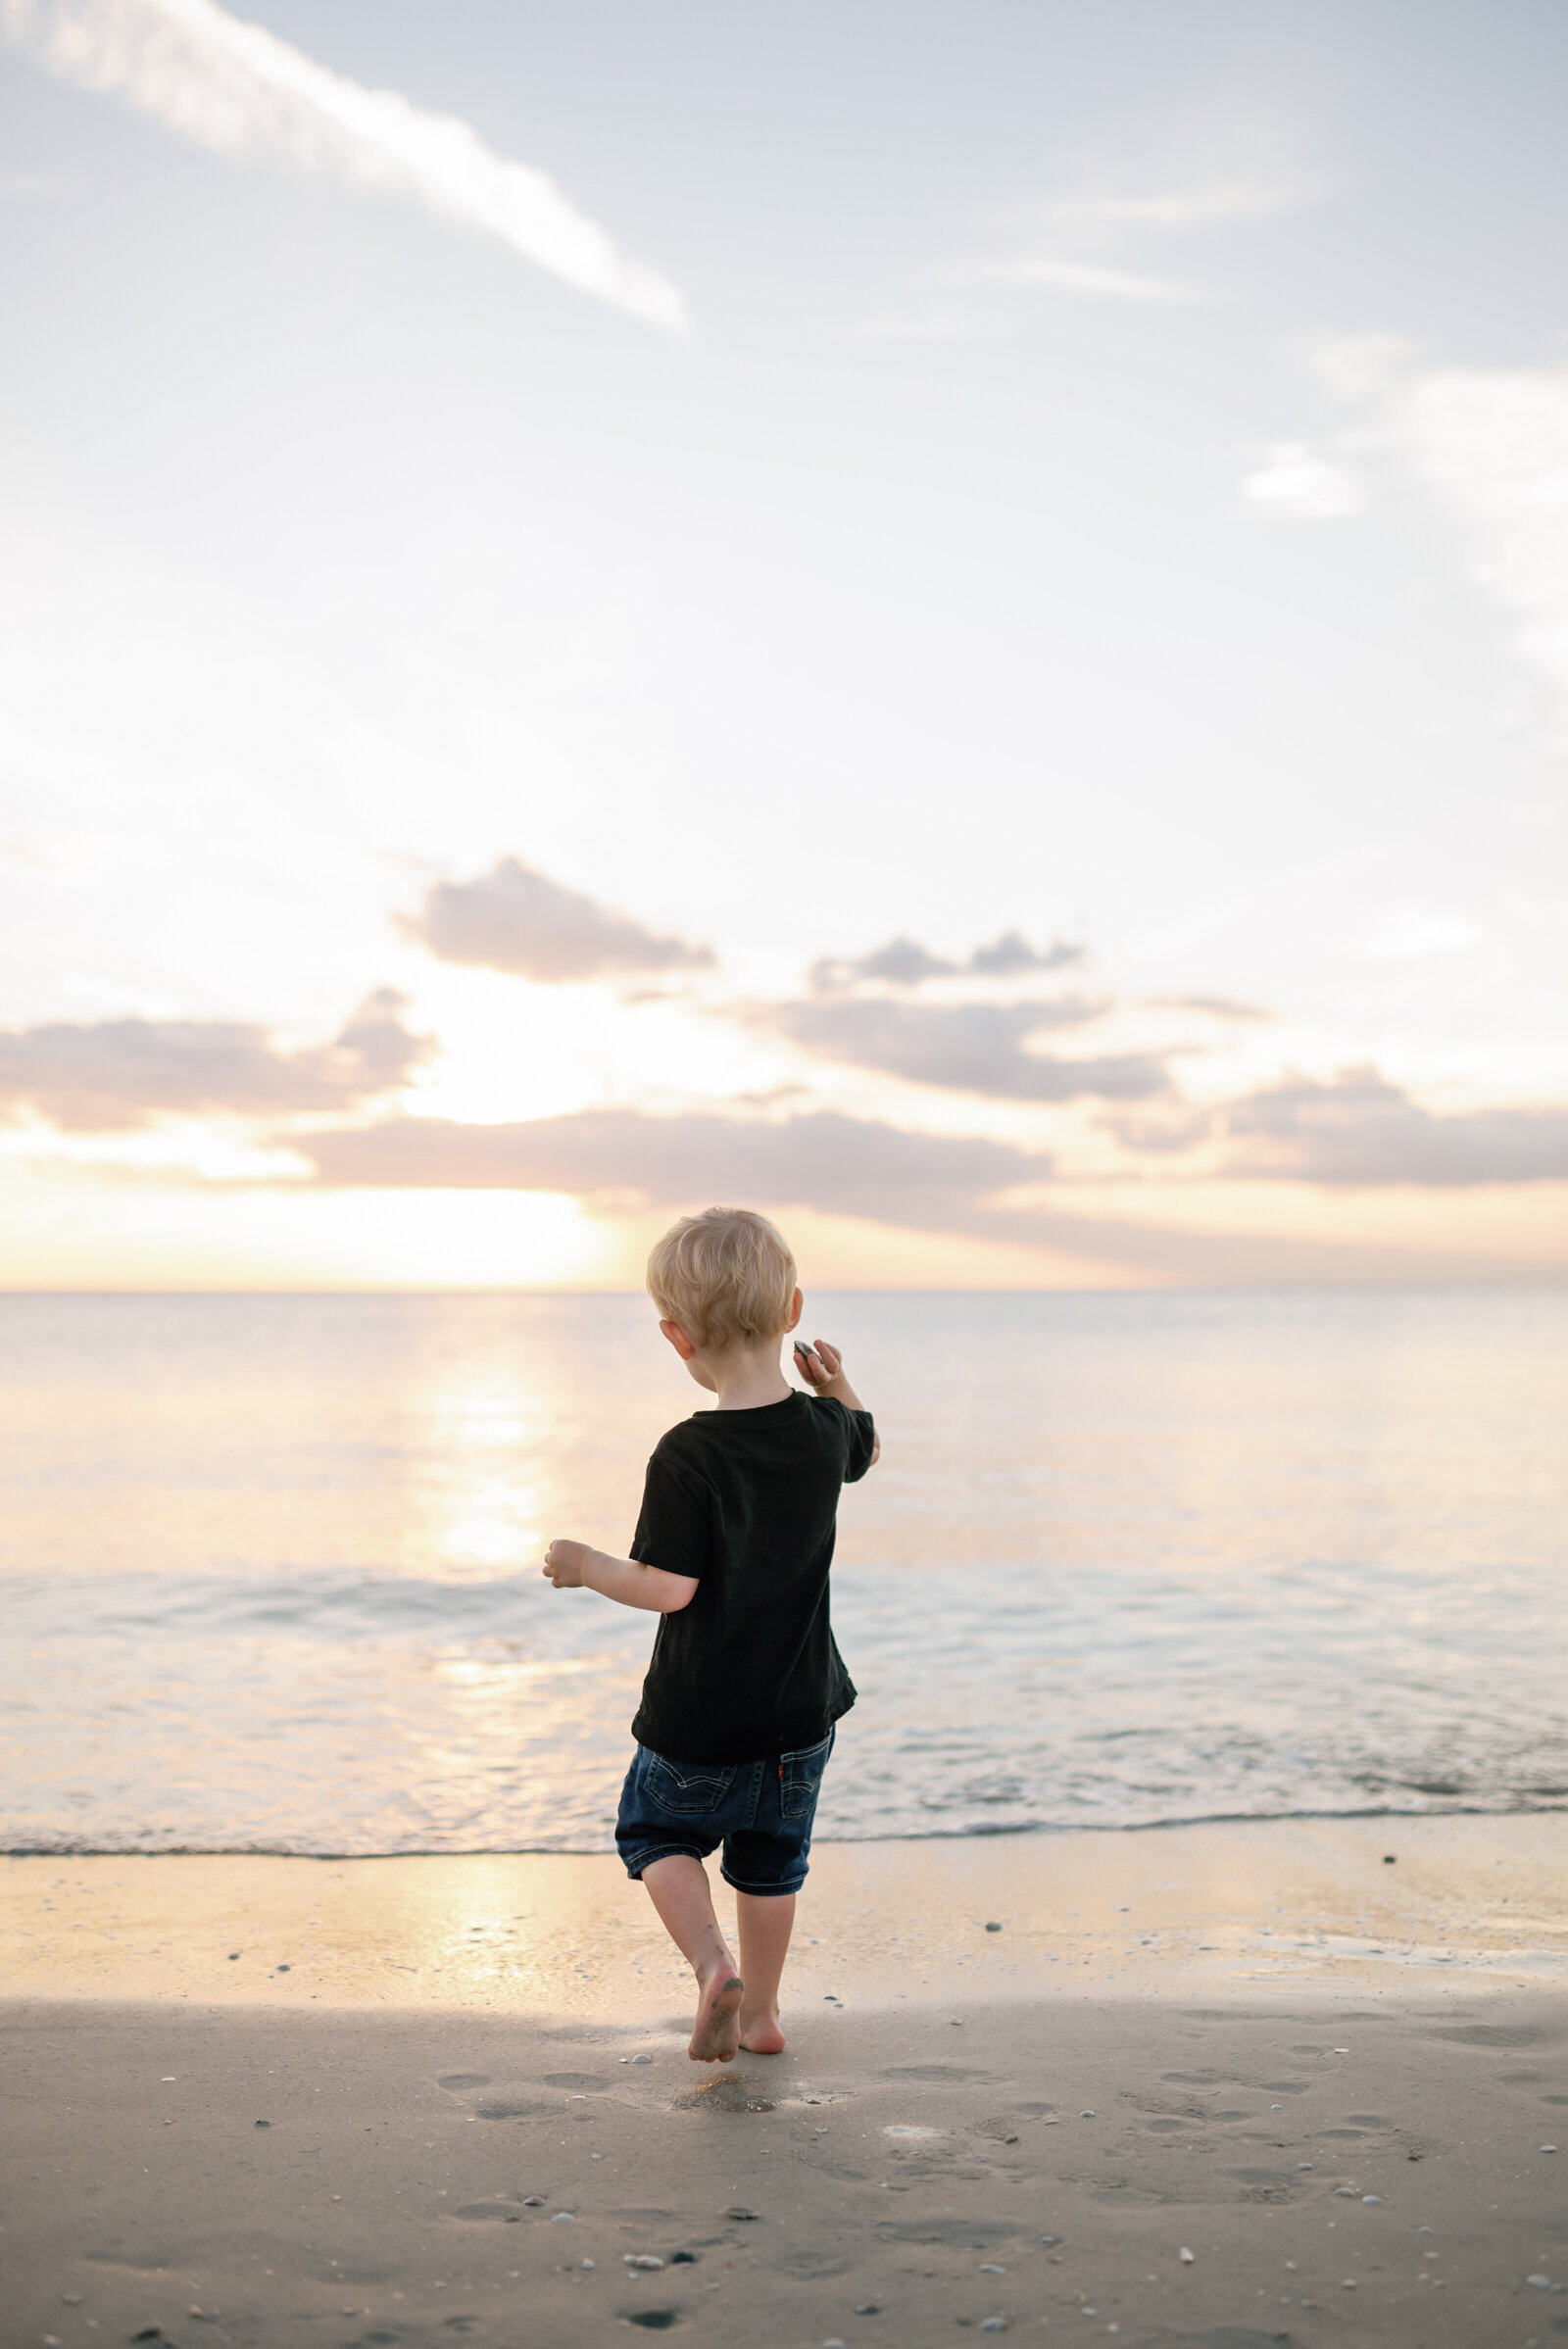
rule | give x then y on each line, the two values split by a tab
439	2098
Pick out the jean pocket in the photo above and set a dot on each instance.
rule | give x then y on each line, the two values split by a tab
689	1789
800	1778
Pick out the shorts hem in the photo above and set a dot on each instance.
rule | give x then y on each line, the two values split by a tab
760	1891
636	1861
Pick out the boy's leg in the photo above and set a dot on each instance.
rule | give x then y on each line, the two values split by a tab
765	1925
679	1889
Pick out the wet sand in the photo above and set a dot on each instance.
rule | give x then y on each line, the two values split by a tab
1263	2046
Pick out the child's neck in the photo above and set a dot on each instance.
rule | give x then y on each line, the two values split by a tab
745	1379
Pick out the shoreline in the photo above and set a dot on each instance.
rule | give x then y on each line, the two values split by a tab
936	1835
1482	1896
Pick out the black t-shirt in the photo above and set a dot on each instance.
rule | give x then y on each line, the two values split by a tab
746	1503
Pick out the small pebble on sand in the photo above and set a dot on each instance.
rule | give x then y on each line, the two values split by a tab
992	1928
1186	2256
642	2059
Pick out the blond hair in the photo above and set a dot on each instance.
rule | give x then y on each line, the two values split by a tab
726	1276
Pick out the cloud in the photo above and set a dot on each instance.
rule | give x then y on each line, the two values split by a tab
1291	484
619	1159
1055	274
840	1165
517	921
905	962
1359	1129
1070	243
1216	1007
113	1075
1176	209
236	89
966	1048
1493	442
979	1048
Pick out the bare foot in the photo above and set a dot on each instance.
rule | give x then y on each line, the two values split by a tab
716	2031
762	2036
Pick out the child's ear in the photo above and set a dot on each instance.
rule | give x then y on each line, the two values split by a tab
796	1302
679	1340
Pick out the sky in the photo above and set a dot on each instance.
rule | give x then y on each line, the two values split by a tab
947	620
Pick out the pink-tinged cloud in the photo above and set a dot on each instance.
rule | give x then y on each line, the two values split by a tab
967	1048
113	1075
515	919
1358	1129
621	1161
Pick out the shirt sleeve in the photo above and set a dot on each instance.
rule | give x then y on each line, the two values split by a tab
673	1530
859	1431
861	1437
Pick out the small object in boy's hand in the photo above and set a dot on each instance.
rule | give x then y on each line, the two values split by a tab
803	1349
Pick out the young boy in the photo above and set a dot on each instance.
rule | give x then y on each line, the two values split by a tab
732	1551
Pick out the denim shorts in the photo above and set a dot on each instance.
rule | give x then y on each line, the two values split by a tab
762	1812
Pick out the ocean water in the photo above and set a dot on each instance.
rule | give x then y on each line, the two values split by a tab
268	1566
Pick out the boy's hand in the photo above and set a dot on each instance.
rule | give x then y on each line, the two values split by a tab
821	1366
565	1562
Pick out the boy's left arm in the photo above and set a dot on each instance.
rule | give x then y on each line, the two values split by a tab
572	1565
822	1367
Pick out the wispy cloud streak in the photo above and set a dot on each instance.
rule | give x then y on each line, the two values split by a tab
238	90
1055	275
1067	244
